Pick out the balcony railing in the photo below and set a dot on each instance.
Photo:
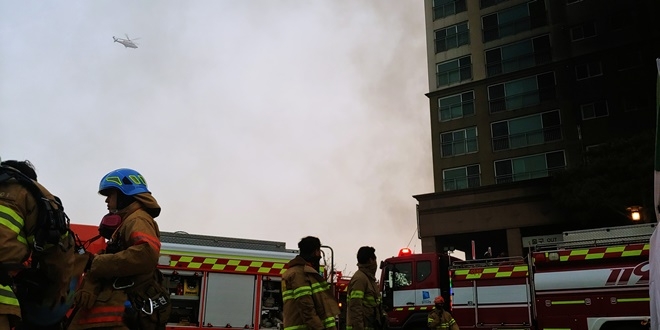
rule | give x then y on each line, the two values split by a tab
530	138
470	181
449	112
447	9
452	41
459	147
453	76
518	63
522	24
521	100
528	175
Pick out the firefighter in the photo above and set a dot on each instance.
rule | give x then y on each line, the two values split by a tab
439	318
364	309
34	294
308	300
127	270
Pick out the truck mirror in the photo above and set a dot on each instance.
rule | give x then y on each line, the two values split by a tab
382	264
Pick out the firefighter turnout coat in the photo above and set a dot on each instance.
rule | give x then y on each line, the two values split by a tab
128	271
308	300
441	320
364	312
19	214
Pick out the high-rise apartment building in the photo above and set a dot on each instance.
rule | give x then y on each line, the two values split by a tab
521	89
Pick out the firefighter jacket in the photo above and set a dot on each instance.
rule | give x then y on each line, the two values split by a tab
364	312
308	300
19	214
441	320
127	270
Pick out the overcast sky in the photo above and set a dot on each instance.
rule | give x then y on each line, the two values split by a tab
270	119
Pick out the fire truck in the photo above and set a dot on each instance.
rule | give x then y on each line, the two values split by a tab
592	280
221	282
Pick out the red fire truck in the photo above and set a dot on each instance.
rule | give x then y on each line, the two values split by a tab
591	280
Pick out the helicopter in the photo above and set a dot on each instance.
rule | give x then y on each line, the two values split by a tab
128	43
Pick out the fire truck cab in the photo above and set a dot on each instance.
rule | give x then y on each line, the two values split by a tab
593	279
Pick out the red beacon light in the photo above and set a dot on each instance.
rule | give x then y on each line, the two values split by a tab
405	252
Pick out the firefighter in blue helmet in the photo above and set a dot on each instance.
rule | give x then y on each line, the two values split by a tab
127	270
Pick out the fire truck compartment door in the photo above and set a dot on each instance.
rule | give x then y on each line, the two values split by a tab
415	297
230	300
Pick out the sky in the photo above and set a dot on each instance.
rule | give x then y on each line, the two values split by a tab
260	119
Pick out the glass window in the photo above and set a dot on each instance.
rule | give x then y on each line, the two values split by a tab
588	70
518	56
521	93
454	71
594	110
423	270
529	167
452	37
444	8
403	274
526	131
507	22
459	142
461	177
489	3
456	106
586	30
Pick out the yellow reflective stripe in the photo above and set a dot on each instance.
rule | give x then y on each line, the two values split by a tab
633	299
329	322
462	271
369	301
319	287
286	295
296	327
568	302
7	296
10	219
302	291
356	294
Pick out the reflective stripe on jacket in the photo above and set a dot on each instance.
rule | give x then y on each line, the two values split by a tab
363	301
308	300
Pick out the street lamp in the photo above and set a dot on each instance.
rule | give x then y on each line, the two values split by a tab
635	212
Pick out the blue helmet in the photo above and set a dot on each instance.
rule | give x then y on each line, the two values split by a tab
126	180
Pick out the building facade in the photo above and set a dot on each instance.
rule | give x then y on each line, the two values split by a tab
519	90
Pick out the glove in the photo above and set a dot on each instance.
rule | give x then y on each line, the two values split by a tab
86	295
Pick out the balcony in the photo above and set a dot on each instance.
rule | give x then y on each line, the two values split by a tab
530	138
521	100
528	175
470	181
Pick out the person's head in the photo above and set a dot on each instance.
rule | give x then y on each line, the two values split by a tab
310	250
119	187
366	255
439	302
23	166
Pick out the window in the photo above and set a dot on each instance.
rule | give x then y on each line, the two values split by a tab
452	37
456	106
584	31
594	110
459	142
634	102
526	131
403	274
588	70
513	20
461	177
518	56
444	8
423	270
454	71
489	3
529	167
521	93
